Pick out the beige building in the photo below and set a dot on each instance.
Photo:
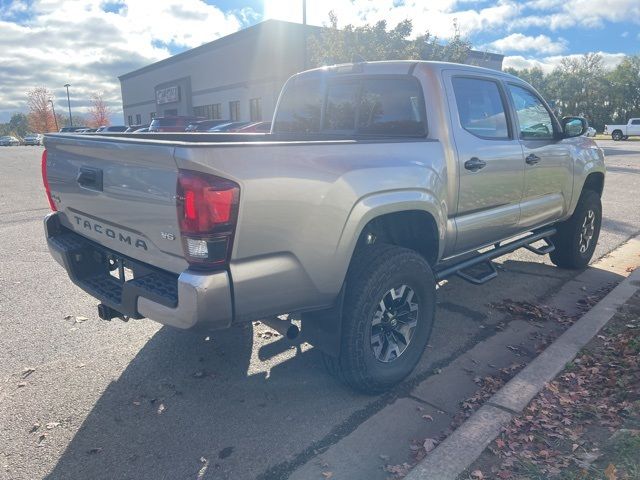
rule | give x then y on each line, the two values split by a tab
237	77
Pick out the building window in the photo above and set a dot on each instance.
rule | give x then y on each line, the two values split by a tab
234	110
138	119
212	112
130	118
255	106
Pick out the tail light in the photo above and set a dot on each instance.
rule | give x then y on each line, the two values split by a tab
45	182
207	214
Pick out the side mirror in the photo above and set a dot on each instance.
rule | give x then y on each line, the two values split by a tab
574	126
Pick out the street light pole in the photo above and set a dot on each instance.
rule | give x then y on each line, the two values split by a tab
304	26
69	104
54	113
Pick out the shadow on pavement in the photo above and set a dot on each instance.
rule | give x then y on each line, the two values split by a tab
184	405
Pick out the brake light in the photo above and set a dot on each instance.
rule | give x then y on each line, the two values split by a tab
207	213
45	182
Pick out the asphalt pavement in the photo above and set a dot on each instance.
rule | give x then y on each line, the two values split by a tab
83	398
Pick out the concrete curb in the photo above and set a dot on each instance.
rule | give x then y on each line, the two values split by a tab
466	443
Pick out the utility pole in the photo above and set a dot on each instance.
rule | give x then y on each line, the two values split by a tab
304	34
54	113
69	104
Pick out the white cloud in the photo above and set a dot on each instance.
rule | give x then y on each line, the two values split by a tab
435	16
517	42
547	64
81	43
560	14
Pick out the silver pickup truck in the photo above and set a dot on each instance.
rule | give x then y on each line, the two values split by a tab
377	181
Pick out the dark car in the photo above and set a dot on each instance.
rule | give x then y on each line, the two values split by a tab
172	124
133	128
112	129
70	129
257	127
205	125
229	127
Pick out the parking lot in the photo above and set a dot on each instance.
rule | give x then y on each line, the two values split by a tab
137	400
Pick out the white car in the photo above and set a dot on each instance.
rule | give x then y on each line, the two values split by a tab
33	139
591	132
9	141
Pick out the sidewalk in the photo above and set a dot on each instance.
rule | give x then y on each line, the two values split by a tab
586	422
509	409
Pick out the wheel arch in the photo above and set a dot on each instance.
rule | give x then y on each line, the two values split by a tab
595	182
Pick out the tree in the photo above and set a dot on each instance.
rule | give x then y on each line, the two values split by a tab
99	111
376	42
40	115
18	125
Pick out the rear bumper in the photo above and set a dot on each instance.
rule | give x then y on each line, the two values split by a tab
184	301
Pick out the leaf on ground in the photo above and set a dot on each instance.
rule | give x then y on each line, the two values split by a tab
477	475
161	409
327	474
81	319
429	418
27	371
429	444
611	472
94	451
34	428
52	425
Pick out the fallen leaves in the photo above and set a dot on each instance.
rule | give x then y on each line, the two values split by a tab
611	472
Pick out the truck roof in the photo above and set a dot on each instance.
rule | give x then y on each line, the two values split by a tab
398	67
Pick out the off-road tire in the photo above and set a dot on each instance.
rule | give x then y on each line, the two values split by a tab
374	270
616	135
567	240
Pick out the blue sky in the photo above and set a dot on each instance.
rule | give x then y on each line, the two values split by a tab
88	43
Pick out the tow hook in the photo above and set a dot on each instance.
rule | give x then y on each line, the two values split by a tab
107	313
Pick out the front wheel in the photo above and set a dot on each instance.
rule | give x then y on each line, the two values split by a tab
577	237
388	315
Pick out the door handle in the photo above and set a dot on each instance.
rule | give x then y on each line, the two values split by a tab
90	178
474	164
532	159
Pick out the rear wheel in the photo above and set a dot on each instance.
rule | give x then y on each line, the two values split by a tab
577	237
616	135
388	315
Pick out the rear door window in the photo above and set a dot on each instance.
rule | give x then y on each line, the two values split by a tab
480	107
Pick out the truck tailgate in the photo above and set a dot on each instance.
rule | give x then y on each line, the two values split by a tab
120	194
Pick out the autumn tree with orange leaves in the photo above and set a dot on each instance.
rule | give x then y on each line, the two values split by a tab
99	112
40	115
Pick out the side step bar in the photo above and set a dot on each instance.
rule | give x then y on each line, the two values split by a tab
497	251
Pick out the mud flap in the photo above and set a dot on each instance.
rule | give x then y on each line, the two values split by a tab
323	328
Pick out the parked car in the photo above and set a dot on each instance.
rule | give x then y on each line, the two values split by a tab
33	139
9	141
591	132
172	124
229	127
71	129
623	132
257	127
112	128
377	181
204	125
133	128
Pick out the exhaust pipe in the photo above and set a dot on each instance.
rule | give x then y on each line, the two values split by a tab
283	327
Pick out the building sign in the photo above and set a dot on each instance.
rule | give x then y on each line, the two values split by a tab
167	95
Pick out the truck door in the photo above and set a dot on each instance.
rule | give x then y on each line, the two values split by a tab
548	165
490	161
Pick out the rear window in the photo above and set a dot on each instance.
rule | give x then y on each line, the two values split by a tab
383	106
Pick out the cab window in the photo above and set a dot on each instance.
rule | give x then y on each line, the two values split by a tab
534	119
